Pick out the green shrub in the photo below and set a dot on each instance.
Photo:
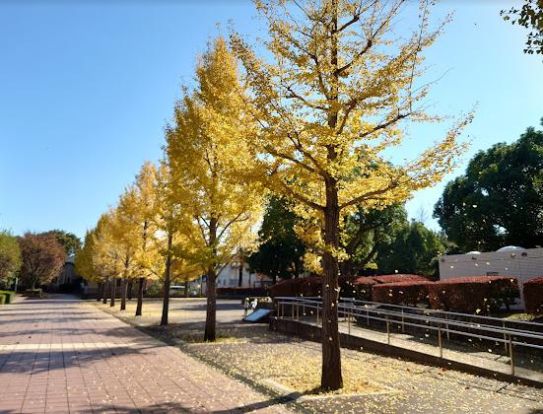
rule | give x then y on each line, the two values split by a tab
8	294
2	299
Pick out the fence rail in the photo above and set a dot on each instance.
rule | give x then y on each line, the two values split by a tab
524	334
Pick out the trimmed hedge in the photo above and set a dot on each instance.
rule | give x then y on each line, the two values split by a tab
8	294
408	293
238	292
399	278
478	294
357	287
304	286
533	295
361	288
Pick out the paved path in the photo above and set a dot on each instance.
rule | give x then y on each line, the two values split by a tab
64	356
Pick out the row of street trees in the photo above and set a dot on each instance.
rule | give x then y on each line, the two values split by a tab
309	121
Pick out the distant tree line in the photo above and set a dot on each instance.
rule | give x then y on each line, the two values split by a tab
35	259
499	199
377	241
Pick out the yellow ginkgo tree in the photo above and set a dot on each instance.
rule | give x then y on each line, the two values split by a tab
210	165
170	242
106	256
125	238
139	211
330	98
84	264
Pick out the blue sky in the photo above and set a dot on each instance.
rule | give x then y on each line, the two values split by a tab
87	87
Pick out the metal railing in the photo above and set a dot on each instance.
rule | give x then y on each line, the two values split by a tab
445	323
517	325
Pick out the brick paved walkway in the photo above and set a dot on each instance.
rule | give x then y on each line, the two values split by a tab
64	356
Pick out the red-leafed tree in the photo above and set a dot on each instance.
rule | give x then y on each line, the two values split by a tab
42	257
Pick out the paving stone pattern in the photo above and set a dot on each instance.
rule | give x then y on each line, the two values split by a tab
61	355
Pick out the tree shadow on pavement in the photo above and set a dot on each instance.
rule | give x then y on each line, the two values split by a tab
34	362
175	407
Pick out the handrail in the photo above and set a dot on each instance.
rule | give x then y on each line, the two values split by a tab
467	315
417	310
379	312
314	303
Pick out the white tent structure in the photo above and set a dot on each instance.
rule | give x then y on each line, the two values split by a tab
516	261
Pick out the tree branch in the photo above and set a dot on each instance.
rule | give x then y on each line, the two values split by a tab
293	94
202	230
301	198
384	125
298	145
288	157
234	220
393	184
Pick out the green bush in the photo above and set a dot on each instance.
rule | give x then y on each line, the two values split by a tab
2	299
9	295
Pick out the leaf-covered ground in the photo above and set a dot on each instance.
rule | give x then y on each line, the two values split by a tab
279	364
386	385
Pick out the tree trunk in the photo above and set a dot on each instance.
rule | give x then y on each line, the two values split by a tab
210	330
331	378
104	292
124	286
211	314
100	292
186	288
113	287
139	306
240	275
167	283
129	289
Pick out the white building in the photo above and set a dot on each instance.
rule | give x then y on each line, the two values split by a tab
229	277
524	264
